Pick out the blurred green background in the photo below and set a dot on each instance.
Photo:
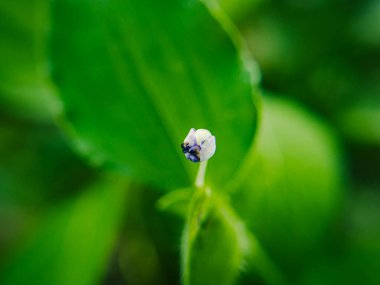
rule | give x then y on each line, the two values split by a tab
97	96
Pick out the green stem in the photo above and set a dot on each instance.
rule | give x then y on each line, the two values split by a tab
200	179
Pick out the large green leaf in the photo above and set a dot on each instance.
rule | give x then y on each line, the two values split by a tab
24	74
73	244
293	185
135	76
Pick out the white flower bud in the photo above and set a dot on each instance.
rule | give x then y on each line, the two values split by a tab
199	145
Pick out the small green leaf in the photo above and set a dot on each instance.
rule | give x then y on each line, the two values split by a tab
73	244
215	242
135	76
176	201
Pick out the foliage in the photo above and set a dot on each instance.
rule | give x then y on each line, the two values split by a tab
97	96
149	115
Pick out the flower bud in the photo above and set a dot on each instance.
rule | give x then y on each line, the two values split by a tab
199	145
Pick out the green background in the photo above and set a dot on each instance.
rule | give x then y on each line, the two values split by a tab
97	96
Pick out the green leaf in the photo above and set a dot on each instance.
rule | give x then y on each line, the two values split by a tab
176	201
73	244
135	76
25	89
293	184
215	243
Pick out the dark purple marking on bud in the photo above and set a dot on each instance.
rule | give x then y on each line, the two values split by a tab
185	147
192	153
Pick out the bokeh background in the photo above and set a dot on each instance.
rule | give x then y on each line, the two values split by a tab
311	195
